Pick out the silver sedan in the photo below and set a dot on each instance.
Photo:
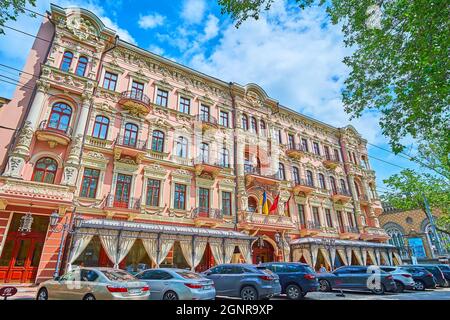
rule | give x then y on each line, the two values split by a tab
94	284
177	284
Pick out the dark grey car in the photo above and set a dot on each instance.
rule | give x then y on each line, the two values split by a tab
244	280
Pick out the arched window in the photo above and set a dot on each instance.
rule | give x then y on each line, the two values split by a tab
262	125
253	125
248	168
130	136
182	144
252	204
296	174
60	116
281	172
442	242
45	170
204	152
244	122
225	158
309	178
101	126
81	67
322	181
66	61
158	141
333	184
396	238
343	185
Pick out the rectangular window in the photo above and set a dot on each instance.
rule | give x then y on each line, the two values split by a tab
161	97
180	197
137	90
280	138
185	105
340	221
316	148
223	119
316	216
204	113
153	189
203	200
327	152
226	203
336	155
110	81
291	141
350	219
301	214
305	145
89	183
123	191
328	217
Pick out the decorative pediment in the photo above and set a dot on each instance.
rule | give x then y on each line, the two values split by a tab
164	84
155	170
161	123
185	93
127	165
182	175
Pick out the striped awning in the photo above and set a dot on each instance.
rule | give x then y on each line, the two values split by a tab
344	243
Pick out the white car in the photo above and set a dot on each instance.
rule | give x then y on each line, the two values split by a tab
403	280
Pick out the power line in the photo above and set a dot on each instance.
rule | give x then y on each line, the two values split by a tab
21	71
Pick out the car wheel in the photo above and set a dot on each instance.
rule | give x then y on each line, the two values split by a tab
294	292
400	287
170	295
324	286
89	297
419	285
42	294
380	290
249	293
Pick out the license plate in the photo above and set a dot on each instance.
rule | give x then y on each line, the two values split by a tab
206	287
134	291
276	281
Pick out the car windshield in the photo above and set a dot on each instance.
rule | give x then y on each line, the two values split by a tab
387	269
444	267
117	275
189	275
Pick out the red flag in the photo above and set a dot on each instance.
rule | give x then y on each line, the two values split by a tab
274	205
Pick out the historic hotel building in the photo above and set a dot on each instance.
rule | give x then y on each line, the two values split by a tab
132	160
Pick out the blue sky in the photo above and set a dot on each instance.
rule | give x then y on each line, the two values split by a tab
295	56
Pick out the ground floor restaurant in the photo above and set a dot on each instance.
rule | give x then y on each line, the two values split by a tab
318	253
136	246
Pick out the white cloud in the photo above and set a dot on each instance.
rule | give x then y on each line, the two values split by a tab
155	49
211	29
193	11
295	56
151	21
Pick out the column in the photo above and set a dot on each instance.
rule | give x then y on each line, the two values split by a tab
21	151
71	167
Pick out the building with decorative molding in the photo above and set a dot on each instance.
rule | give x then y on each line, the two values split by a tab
111	155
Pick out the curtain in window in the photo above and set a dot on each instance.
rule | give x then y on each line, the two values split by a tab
364	256
326	257
244	247
314	253
109	241
229	250
349	255
297	255
391	262
372	256
127	239
377	254
80	243
398	258
386	258
358	256
151	247
307	256
216	250
342	255
199	249
333	256
166	243
186	249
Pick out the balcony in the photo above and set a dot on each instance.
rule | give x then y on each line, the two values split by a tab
207	121
136	102
363	199
310	228
295	151
97	143
46	132
127	204
339	194
251	220
253	174
130	147
207	217
376	234
330	162
348	233
208	166
304	186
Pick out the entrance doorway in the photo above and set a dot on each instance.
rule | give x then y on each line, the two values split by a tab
262	252
21	254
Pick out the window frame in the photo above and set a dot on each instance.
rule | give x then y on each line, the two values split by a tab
87	193
110	80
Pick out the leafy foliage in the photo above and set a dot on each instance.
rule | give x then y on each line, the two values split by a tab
400	63
10	9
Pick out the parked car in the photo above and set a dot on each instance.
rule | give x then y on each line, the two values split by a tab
177	284
356	278
403	280
246	281
94	284
296	279
445	268
437	273
423	279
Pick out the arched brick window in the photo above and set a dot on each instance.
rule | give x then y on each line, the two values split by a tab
45	170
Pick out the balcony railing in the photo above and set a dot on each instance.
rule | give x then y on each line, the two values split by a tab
310	225
340	191
349	229
207	213
248	169
210	162
331	157
304	182
125	141
131	203
296	147
206	118
136	96
47	125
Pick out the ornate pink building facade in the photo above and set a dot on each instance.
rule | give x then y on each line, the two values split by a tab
172	164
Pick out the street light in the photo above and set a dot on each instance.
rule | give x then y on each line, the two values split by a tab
63	228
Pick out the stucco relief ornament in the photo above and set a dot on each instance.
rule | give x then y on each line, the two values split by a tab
254	99
82	28
24	140
14	167
75	151
70	176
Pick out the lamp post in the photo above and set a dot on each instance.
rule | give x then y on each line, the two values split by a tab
63	228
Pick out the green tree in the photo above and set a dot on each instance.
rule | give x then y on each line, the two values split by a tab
10	10
399	66
409	188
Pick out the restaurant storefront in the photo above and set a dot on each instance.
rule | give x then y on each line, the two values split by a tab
135	246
